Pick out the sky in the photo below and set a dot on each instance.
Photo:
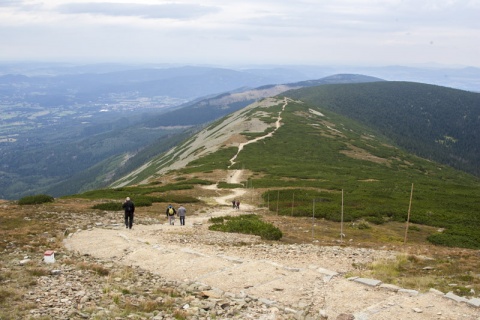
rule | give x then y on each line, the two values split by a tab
226	32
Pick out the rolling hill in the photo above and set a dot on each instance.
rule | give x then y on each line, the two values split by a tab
156	133
437	123
67	133
305	151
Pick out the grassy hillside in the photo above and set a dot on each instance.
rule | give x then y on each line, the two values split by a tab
437	123
317	153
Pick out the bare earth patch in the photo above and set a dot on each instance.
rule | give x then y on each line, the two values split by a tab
358	153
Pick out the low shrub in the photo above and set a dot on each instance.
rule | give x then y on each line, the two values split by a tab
225	185
413	228
216	220
360	225
181	199
36	199
247	224
109	206
142	201
375	219
454	238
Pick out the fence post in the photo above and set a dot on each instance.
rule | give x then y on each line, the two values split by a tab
408	216
341	222
293	201
313	220
278	196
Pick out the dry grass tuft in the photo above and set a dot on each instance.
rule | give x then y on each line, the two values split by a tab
95	267
419	264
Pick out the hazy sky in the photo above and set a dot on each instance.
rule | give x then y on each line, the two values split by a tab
226	32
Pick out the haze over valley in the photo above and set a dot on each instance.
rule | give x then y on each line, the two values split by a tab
59	122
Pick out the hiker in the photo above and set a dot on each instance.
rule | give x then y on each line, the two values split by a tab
171	212
181	214
237	204
234	203
129	208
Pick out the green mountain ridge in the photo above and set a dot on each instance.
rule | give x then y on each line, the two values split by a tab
316	153
437	123
181	121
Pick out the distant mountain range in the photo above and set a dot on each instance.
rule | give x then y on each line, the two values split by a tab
73	131
437	123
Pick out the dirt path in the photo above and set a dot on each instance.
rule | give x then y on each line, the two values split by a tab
296	276
287	277
277	126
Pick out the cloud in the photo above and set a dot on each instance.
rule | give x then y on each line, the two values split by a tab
174	11
10	3
300	31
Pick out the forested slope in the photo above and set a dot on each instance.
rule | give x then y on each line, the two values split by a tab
437	123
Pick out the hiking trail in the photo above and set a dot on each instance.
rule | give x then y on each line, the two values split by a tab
285	277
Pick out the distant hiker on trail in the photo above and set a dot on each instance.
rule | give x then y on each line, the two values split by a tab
129	208
237	204
234	203
171	212
182	213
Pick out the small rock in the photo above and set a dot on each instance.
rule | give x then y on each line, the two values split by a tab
24	262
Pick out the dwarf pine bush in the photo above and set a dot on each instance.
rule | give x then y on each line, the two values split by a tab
247	224
36	199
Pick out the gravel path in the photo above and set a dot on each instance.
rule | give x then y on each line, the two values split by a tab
287	277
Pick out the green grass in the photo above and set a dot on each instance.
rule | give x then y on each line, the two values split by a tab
304	167
146	194
305	160
35	199
225	185
109	206
246	224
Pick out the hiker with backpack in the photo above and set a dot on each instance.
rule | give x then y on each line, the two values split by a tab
171	212
129	208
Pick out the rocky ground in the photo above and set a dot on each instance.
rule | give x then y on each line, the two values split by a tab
226	276
159	271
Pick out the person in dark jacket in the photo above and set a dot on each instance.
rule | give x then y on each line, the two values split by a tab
129	208
171	212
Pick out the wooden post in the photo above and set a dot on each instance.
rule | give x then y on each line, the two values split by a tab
293	201
408	216
251	193
278	196
341	222
313	219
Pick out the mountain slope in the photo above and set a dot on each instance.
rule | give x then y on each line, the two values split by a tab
104	157
77	126
437	123
309	153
